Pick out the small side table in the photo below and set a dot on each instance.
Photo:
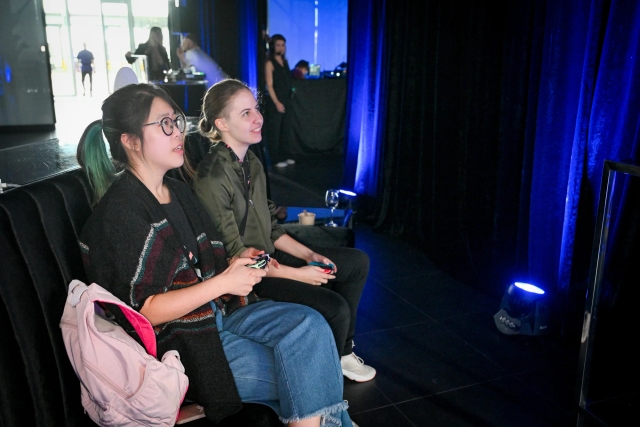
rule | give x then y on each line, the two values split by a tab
319	235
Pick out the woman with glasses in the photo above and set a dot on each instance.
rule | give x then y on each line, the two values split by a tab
150	243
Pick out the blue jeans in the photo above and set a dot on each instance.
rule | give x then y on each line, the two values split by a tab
283	355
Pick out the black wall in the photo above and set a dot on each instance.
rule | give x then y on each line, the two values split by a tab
26	97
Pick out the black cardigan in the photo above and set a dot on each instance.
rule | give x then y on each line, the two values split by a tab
129	247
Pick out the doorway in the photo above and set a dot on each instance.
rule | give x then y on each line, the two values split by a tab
117	29
108	29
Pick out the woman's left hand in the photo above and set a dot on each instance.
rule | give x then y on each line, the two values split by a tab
319	258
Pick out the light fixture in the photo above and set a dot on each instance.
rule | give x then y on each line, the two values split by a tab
348	203
348	193
347	199
524	310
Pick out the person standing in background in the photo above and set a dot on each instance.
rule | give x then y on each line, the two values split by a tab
85	65
191	55
301	70
157	58
278	80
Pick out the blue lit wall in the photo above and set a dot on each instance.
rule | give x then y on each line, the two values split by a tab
321	41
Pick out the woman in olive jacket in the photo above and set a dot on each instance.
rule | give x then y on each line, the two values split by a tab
231	184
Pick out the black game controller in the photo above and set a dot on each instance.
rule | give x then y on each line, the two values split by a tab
260	261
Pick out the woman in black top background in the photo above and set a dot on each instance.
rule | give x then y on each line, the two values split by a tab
278	79
157	58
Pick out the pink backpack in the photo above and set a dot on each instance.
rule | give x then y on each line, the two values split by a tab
121	383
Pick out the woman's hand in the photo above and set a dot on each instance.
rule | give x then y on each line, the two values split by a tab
239	279
250	253
312	275
280	107
274	263
319	258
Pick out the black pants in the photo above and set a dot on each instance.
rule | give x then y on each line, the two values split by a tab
277	131
90	74
337	300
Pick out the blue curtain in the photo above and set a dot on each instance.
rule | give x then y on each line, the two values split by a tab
367	68
229	33
248	32
203	20
481	130
588	111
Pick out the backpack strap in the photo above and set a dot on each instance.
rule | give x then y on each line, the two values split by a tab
76	289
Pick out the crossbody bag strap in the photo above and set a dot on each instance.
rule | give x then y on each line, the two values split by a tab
247	179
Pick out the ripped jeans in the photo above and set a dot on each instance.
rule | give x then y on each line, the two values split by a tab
284	356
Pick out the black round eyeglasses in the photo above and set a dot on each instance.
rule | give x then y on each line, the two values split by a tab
168	124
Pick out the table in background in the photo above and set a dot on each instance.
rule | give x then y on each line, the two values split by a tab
323	215
319	235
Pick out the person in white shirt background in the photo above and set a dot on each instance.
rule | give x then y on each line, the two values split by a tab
191	55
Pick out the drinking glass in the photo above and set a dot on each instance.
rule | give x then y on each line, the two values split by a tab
331	198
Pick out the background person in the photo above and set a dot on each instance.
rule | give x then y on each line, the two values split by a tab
86	66
157	58
278	80
231	185
191	55
150	243
301	70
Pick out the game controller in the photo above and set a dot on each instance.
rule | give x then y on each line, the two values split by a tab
328	268
260	261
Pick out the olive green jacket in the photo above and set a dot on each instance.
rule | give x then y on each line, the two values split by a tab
219	186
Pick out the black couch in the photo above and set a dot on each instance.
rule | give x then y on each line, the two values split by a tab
39	257
39	227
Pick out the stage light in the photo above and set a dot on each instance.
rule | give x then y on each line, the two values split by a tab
524	310
347	201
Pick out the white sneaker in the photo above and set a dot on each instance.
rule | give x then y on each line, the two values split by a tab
291	162
282	164
354	368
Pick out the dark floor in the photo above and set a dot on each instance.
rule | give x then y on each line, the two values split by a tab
440	359
305	182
